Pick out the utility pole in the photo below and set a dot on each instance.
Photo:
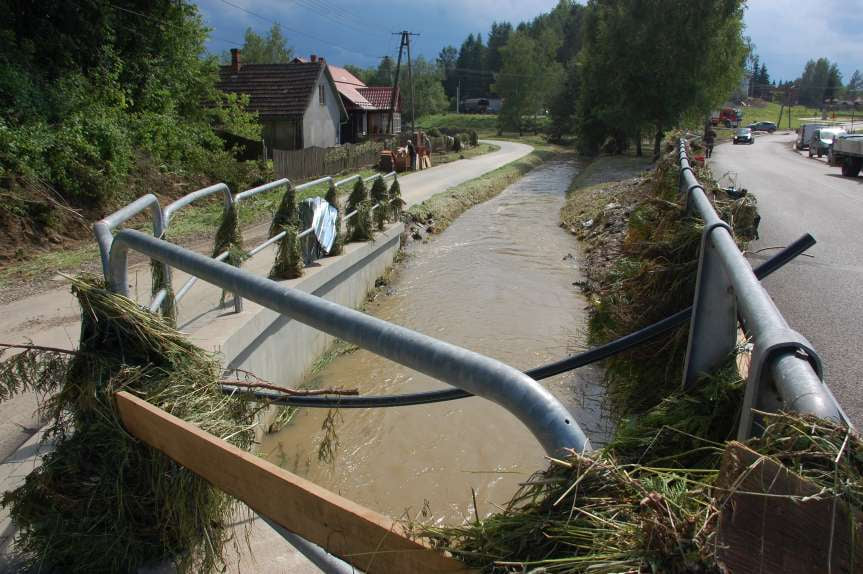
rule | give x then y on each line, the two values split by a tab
405	43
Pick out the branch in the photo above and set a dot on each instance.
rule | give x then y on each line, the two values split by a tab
40	348
292	392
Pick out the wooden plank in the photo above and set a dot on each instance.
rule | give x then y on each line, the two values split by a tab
368	540
777	533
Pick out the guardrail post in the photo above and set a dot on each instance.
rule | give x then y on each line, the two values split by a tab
713	327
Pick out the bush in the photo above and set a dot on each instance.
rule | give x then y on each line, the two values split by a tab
89	157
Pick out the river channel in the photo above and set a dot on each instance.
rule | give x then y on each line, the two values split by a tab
499	281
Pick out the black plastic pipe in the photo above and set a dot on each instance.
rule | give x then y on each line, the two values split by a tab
538	373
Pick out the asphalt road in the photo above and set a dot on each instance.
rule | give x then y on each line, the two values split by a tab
819	295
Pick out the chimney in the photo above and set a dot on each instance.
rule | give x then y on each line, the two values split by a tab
235	60
314	58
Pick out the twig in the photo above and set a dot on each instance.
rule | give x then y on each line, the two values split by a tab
40	348
292	392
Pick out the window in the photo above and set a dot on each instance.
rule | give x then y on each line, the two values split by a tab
321	98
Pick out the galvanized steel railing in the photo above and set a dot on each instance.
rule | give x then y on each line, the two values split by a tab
162	217
727	287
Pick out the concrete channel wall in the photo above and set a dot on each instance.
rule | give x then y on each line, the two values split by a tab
282	350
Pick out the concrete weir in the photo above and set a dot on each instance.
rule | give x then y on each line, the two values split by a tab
280	349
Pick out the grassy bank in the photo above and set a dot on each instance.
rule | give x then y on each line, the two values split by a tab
484	124
440	210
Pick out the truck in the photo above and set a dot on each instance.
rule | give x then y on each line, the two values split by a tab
847	152
729	117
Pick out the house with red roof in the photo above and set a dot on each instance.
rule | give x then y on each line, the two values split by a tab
299	104
368	107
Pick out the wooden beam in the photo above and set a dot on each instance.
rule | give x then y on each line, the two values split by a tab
368	540
763	529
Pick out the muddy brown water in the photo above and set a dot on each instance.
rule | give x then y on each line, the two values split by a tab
498	281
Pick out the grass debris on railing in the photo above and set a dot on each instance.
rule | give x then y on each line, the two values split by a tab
288	263
394	196
359	226
103	501
379	197
286	213
161	280
592	513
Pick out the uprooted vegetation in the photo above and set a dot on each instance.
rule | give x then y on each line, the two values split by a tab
103	501
652	500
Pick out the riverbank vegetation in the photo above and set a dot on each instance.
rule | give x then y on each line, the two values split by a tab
105	104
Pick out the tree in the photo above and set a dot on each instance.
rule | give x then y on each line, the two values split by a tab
428	89
821	80
528	76
470	70
385	73
638	71
364	75
272	49
497	38
854	89
446	61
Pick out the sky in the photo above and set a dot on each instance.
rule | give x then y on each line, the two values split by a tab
786	33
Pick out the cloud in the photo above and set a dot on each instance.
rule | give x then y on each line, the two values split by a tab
788	33
359	31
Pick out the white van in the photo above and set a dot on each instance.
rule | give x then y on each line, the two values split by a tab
804	134
822	139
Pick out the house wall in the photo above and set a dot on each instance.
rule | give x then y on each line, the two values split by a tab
321	121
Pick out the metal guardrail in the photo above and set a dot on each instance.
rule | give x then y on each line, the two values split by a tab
785	371
162	217
548	420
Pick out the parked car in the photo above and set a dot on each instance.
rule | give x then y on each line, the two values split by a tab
822	139
743	135
804	135
768	127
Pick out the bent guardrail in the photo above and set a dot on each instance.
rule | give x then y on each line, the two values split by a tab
549	421
726	286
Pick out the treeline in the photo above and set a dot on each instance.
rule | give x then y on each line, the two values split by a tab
93	90
609	71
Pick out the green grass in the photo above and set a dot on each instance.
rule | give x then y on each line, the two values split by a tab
484	124
450	156
770	113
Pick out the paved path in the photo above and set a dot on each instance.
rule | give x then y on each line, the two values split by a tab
819	296
51	318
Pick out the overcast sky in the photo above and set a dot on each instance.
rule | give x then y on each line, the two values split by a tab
786	33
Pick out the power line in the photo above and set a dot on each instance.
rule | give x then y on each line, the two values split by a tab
165	22
295	31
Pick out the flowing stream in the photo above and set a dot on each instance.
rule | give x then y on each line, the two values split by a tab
499	281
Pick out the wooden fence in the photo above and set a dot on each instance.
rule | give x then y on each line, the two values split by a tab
302	164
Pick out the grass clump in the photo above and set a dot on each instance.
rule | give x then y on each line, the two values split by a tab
360	225
289	260
380	197
103	501
286	213
595	513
